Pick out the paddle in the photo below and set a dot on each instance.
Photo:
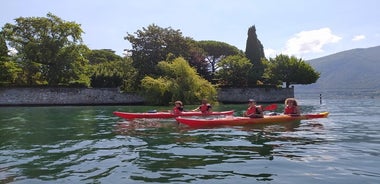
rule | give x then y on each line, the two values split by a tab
270	107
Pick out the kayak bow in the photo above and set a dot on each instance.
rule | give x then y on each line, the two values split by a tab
131	115
192	122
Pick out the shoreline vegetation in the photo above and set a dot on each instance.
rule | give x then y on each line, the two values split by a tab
162	65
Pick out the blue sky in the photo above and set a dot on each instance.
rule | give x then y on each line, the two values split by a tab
304	28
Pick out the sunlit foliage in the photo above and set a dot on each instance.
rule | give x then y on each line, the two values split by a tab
234	71
152	45
291	70
178	82
49	50
118	73
215	51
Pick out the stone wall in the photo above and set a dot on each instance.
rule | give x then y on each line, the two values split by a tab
263	95
66	96
112	96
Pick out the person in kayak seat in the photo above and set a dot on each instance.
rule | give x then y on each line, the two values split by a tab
204	107
291	107
178	108
253	110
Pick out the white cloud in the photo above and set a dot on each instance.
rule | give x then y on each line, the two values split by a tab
270	53
358	37
310	41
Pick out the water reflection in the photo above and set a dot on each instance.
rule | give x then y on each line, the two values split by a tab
178	153
90	145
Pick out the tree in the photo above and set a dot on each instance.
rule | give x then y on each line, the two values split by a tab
216	51
102	56
234	71
50	50
254	51
291	70
9	73
152	45
118	73
197	59
3	48
179	81
111	70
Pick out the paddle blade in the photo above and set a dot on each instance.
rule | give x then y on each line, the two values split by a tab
270	107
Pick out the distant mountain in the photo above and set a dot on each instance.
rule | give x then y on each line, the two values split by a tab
351	70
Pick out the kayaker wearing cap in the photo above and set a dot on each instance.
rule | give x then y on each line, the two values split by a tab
204	107
253	110
178	108
291	107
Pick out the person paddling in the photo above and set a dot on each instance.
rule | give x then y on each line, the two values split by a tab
253	110
178	108
291	107
204	107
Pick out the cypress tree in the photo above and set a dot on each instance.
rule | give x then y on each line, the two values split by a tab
254	51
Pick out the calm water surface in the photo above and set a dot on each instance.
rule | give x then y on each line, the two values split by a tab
90	145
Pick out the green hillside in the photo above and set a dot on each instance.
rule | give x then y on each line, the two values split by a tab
351	69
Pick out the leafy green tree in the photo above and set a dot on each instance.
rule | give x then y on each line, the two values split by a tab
50	50
73	68
102	56
267	76
9	73
216	51
4	65
254	51
111	70
3	48
234	71
152	45
291	70
118	73
197	59
179	81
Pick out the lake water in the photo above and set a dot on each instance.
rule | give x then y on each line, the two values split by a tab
90	145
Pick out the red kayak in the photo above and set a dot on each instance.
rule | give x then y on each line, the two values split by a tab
193	122
131	115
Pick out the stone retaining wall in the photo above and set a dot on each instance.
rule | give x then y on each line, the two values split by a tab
263	95
112	96
66	96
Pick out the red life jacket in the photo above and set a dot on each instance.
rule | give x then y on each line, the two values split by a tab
253	110
205	108
177	110
290	110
